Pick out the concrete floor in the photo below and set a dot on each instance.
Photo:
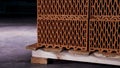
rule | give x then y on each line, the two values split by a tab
15	35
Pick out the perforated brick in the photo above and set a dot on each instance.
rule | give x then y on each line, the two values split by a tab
104	26
63	24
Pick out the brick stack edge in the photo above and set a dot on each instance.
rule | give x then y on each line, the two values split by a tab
85	25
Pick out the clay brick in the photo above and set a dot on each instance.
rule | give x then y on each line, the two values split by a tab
63	24
104	26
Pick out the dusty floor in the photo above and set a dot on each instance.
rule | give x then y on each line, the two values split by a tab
15	35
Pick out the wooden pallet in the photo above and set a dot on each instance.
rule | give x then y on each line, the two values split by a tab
41	55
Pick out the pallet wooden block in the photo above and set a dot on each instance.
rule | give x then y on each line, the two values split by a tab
39	60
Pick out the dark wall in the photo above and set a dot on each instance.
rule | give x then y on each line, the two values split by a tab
18	7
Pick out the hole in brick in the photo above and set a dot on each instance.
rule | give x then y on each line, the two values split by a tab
83	48
113	52
107	11
118	41
115	7
71	48
119	30
112	10
113	30
56	47
78	49
102	9
100	5
108	40
116	45
99	39
92	43
106	43
95	5
99	30
106	25
117	25
96	50
49	46
43	46
111	34
108	29
103	38
92	49
113	39
105	51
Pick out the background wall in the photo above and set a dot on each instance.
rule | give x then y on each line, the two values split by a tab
17	7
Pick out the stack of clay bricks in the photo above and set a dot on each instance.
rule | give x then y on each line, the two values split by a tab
84	25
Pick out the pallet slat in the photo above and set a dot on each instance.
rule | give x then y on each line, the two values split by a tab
74	57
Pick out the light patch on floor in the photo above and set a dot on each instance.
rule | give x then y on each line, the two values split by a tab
13	40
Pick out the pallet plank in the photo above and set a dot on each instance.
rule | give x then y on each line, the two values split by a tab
65	55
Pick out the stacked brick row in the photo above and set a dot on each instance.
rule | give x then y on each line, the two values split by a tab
63	24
